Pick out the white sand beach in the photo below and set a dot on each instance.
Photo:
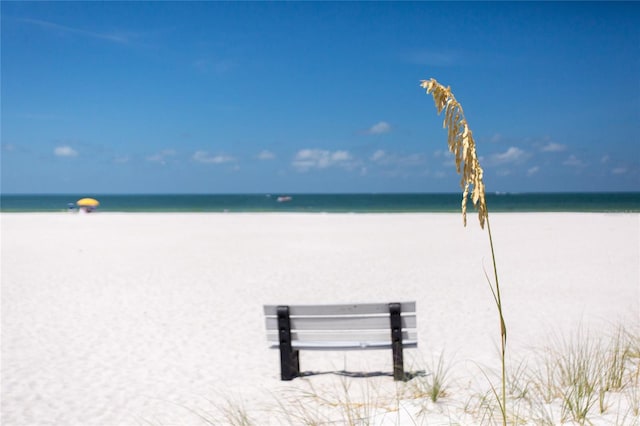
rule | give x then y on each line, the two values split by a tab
156	318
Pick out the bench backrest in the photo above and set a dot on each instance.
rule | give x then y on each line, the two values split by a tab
353	326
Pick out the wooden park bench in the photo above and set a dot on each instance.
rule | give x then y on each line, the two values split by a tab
340	327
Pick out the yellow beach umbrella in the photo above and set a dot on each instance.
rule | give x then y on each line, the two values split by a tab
88	202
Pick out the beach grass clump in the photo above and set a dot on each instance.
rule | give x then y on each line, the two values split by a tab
578	375
580	369
615	360
591	369
517	381
484	408
632	387
229	412
578	379
345	401
433	385
632	393
236	415
436	382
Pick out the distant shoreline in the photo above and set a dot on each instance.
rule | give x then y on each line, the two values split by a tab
328	203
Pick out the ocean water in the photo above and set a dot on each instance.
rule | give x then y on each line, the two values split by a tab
329	203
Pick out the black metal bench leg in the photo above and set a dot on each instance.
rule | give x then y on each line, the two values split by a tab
289	358
396	341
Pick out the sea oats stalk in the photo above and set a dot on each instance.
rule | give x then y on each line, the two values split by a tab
463	147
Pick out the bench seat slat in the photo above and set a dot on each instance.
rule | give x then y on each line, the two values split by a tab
354	309
348	345
342	323
359	336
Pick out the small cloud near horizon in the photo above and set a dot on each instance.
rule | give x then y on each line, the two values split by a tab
161	156
573	161
379	128
65	151
307	159
266	155
205	157
496	138
8	147
511	155
121	159
554	147
384	158
378	155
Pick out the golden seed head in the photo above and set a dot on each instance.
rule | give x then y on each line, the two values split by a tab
463	147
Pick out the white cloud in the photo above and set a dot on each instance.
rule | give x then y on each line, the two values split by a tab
307	159
619	171
65	151
205	157
533	170
384	158
340	156
448	159
266	155
412	160
440	153
161	156
378	155
511	155
553	147
496	138
573	161
122	159
379	128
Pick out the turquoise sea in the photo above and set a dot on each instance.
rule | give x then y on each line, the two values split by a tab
329	203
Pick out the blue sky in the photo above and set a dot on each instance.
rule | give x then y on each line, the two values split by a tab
216	97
